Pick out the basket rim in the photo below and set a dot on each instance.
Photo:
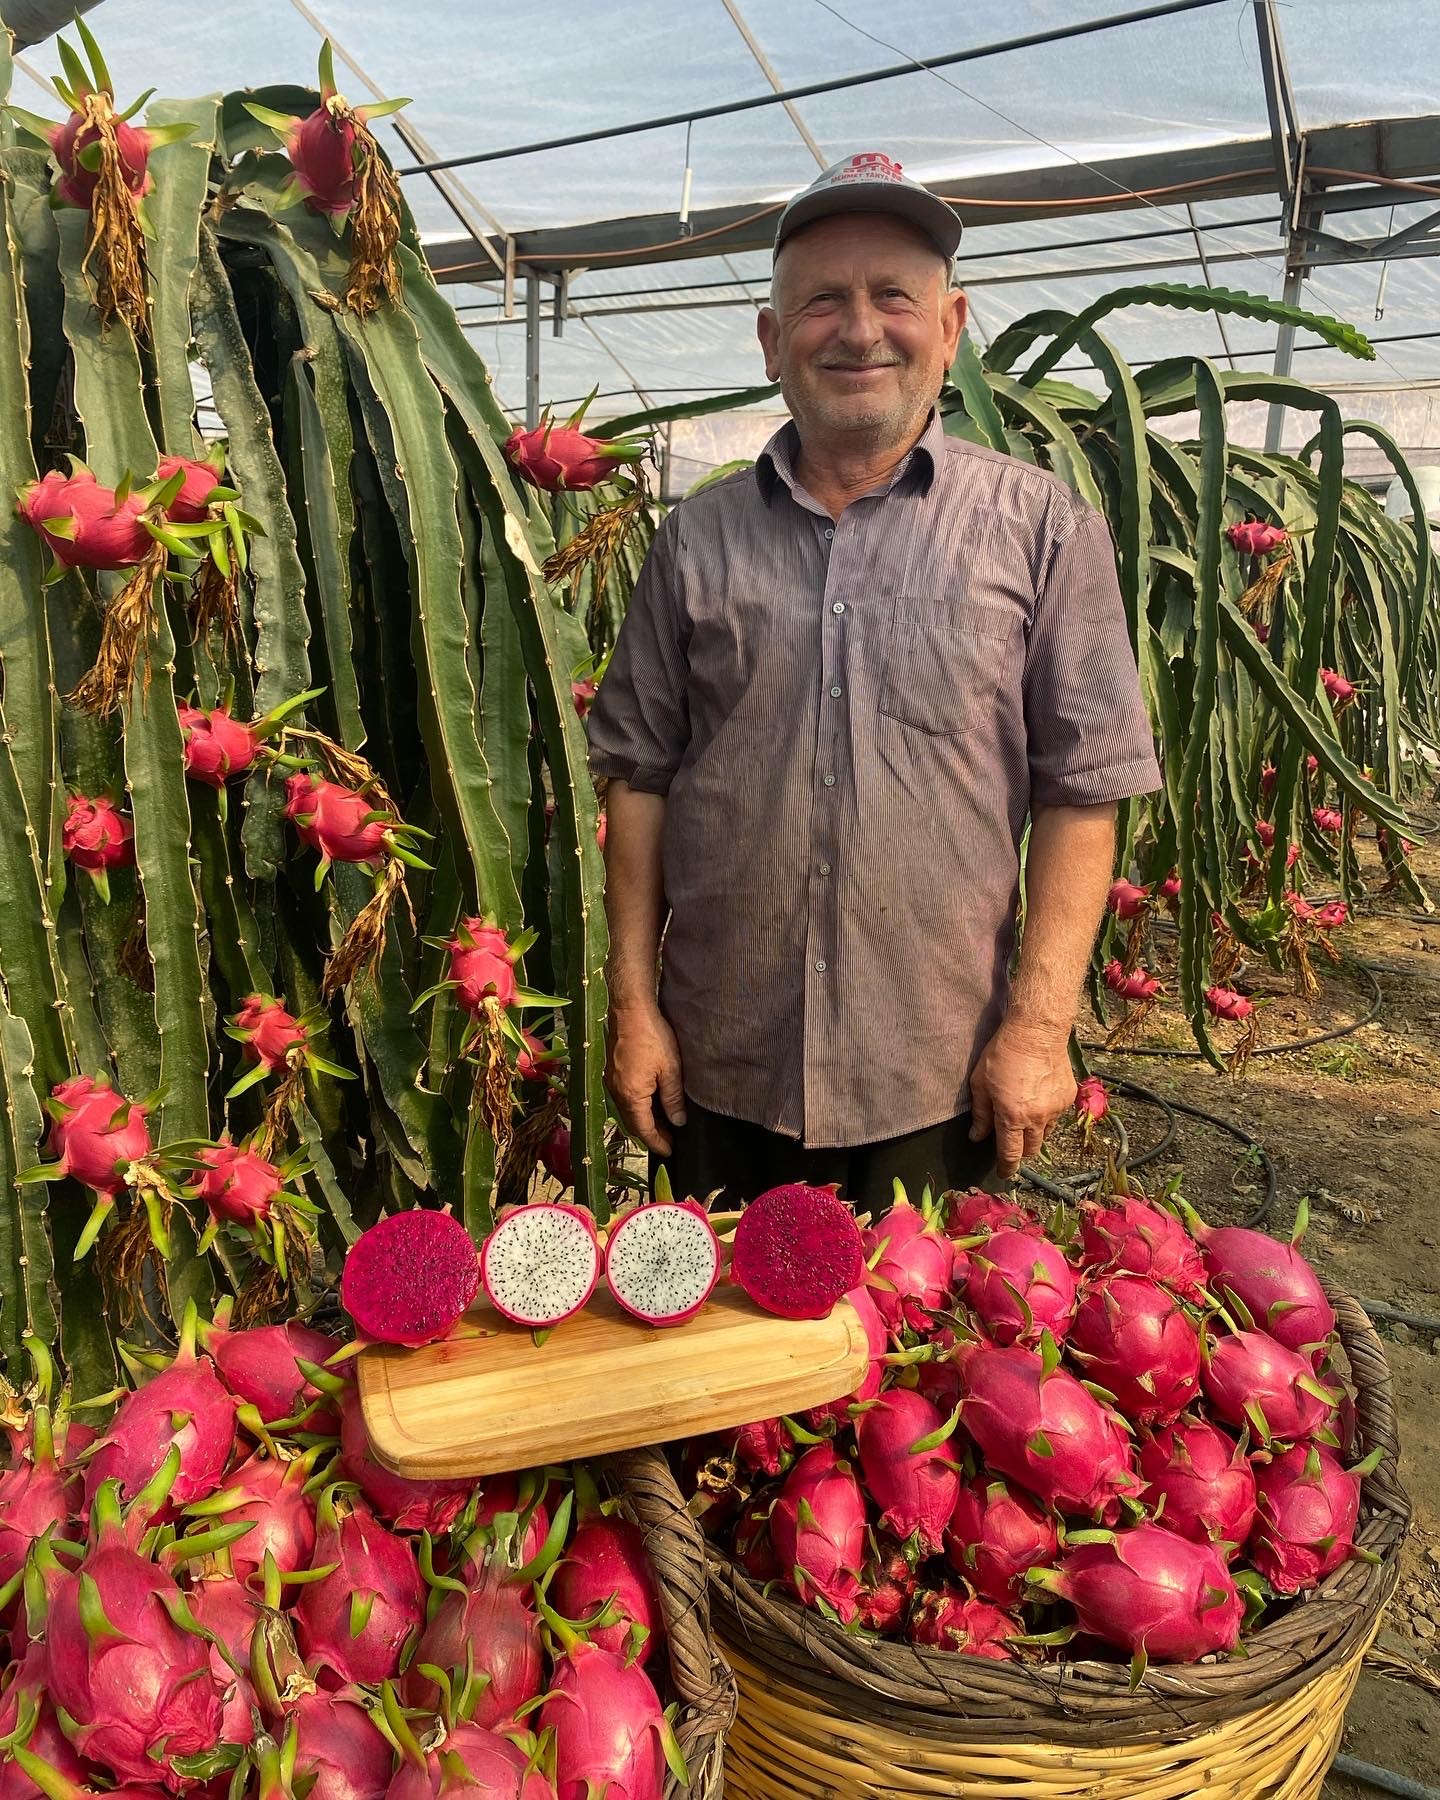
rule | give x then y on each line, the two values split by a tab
924	1690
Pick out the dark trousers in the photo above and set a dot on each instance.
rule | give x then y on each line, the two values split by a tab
742	1160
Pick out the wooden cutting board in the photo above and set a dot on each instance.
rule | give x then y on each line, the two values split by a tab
488	1398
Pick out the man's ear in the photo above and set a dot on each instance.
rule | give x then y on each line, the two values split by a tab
767	329
957	308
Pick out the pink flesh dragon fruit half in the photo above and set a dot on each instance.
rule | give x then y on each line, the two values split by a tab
1306	1510
1018	1286
818	1530
410	1277
995	1534
661	1261
908	1467
540	1264
1151	1592
1132	1337
797	1251
1204	1479
947	1620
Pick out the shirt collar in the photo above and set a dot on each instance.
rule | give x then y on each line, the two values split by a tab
776	462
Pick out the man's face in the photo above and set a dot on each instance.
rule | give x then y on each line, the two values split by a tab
860	328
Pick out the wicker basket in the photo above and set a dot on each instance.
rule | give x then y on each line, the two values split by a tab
823	1711
698	1672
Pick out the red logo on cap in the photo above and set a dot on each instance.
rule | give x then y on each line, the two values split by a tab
869	165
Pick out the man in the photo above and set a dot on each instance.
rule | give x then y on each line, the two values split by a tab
846	680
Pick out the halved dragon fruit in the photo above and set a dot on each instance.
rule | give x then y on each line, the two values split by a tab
797	1251
661	1261
541	1262
410	1277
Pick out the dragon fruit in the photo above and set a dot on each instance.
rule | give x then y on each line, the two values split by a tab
487	1640
403	1503
1340	691
556	1156
1092	1101
910	1266
1306	1508
1037	1424
1226	1003
187	1407
978	1211
754	1547
482	965
270	1494
994	1536
1132	1337
1151	1592
27	1717
902	1442
1020	1285
261	1367
562	458
199	481
337	823
610	1730
797	1251
1250	1379
239	1186
887	1590
127	1676
946	1620
217	746
338	1743
410	1277
1255	538
83	523
37	1493
818	1530
97	837
1204	1479
538	1061
508	1503
267	1032
540	1264
1131	984
1127	901
357	1621
96	1133
662	1260
765	1445
230	1615
938	1377
607	1562
1132	1237
470	1762
836	1412
1272	1281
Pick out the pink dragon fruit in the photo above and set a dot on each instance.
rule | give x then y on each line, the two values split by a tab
910	1262
337	823
1132	1337
118	1665
541	1263
472	1763
903	1442
97	837
610	1730
607	1562
356	1622
1251	1380
1037	1424
271	1495
1226	1003
836	1412
765	1445
36	1493
405	1504
818	1529
887	1590
582	694
1019	1286
261	1367
187	1407
229	1614
239	1186
337	1742
25	1703
538	1061
217	746
797	1251
487	1640
938	1377
1133	1237
267	1031
947	1620
562	458
96	1133
410	1277
1092	1101
1329	820
198	484
1254	537
83	523
482	965
1152	1592
995	1536
504	1498
662	1259
1205	1481
1306	1509
1272	1281
1127	901
1340	691
556	1154
754	1547
980	1211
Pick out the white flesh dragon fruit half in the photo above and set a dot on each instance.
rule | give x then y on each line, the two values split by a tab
662	1260
541	1262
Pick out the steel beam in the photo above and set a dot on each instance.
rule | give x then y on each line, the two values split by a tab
34	20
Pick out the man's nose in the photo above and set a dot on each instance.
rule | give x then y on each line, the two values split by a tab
860	324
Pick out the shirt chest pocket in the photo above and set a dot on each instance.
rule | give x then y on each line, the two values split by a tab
943	669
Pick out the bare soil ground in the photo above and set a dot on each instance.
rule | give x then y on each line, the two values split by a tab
1354	1125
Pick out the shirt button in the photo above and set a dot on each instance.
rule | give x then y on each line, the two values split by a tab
827	780
828	533
839	606
835	693
820	966
824	868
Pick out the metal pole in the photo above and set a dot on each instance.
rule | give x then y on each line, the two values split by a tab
532	352
1285	336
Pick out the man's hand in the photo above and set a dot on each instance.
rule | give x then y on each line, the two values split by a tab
1021	1084
644	1060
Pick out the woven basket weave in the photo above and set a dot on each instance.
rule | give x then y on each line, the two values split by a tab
823	1711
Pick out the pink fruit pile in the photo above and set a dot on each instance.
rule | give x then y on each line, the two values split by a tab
1123	1426
224	1568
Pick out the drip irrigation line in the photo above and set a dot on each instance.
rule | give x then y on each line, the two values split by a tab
1385	1780
1396	1315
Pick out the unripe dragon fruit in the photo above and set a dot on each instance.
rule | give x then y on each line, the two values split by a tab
903	1443
1306	1509
120	1667
610	1729
662	1259
606	1562
261	1367
1133	1338
1254	537
482	965
83	524
1272	1281
271	1495
887	1590
185	1407
994	1536
1151	1592
410	1277
946	1620
1132	1237
837	1412
338	1743
217	746
797	1251
1127	901
541	1263
487	1640
1204	1479
97	837
335	822
267	1032
356	1621
818	1529
1041	1427
910	1275
1251	1380
239	1186
407	1505
1019	1286
981	1211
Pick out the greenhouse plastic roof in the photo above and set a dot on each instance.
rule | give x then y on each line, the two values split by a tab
488	76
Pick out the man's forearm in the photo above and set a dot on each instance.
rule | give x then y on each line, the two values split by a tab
634	892
1067	876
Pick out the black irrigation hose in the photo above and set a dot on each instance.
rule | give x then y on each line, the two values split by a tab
1396	1315
1385	1780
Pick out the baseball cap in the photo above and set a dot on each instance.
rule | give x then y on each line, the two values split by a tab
871	181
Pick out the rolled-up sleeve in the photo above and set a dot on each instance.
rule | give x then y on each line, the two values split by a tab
1088	738
639	724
